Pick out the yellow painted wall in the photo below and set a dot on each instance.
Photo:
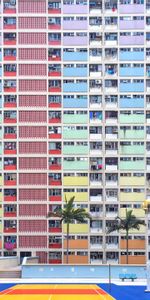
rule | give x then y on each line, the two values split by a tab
138	212
1	196
0	226
135	181
79	197
74	180
135	231
1	212
76	228
126	197
1	181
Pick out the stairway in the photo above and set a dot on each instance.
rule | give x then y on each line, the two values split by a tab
10	274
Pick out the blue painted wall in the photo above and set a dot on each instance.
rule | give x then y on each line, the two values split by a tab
72	271
75	56
75	103
131	103
133	56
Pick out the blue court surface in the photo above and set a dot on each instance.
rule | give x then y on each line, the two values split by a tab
71	292
121	292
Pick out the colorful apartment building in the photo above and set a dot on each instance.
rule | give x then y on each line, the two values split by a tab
75	120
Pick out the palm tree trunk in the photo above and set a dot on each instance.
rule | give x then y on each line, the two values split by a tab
127	246
67	260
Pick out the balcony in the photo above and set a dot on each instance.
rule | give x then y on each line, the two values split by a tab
10	117
9	7
132	165
131	71
10	148
75	40
54	23
76	259
75	165
95	7
96	229
75	56
55	180
10	39
55	197
75	87
75	181
131	55
138	212
54	54
9	54
54	117
131	9
133	244
54	164
131	40
131	102
131	24
132	259
54	101
9	86
75	9
55	229
76	244
10	246
74	72
132	134
54	7
55	133
133	87
10	164
75	25
12	229
76	228
79	196
72	102
9	23
77	118
135	118
73	133
132	149
75	150
54	86
132	181
132	196
95	196
54	39
10	196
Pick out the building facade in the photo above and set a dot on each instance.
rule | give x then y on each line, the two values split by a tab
75	120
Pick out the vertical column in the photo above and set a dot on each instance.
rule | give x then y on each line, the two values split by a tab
32	130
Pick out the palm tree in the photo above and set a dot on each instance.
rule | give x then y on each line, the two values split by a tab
68	215
129	222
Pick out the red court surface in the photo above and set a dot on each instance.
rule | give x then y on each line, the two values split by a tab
55	292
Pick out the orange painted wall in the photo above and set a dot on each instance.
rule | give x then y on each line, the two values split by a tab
77	259
76	244
136	259
133	244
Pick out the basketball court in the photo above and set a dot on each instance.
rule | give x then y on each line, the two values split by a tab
54	292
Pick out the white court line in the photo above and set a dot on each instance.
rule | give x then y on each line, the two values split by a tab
50	298
103	296
10	289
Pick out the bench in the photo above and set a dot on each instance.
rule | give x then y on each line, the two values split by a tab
127	276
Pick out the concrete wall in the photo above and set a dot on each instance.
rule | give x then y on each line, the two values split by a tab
84	271
30	260
8	262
